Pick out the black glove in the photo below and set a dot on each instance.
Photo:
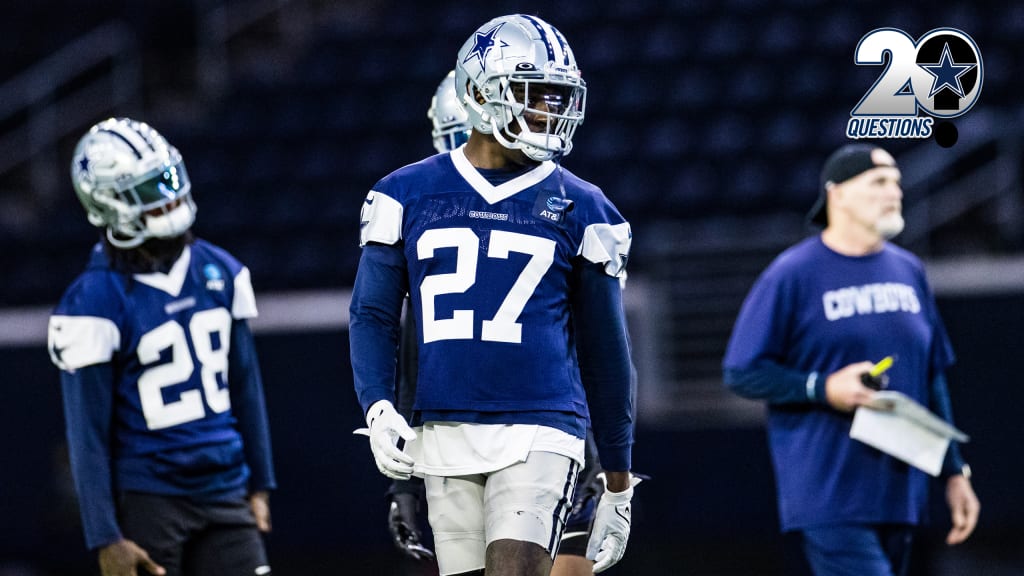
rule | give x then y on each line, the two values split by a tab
874	382
405	532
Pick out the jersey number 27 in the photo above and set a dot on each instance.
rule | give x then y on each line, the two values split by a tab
503	327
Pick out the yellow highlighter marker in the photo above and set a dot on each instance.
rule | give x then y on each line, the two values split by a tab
880	368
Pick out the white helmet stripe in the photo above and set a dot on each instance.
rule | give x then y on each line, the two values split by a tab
145	138
126	140
556	50
134	134
565	47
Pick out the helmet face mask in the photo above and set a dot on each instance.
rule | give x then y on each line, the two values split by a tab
132	182
451	127
549	116
517	79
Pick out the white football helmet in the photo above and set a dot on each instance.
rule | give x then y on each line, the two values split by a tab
451	123
517	79
133	182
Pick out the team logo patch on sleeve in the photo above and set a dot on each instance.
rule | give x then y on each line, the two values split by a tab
380	219
608	244
77	341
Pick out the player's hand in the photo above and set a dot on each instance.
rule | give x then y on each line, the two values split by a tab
260	504
844	389
963	507
610	531
123	557
402	523
386	426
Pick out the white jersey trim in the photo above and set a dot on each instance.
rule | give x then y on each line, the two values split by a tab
78	341
460	448
494	194
174	280
607	244
244	305
380	219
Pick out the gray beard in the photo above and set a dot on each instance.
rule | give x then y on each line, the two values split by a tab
889	226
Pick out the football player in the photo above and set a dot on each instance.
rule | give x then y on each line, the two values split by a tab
451	129
513	266
163	399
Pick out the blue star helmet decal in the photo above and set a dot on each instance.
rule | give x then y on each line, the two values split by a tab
947	73
483	43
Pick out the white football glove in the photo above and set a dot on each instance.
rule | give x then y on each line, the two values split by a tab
610	531
385	427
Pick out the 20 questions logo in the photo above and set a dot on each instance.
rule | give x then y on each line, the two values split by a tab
939	76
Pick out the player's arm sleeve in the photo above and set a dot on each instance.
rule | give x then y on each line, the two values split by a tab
249	406
754	365
407	365
940	403
88	412
775	384
605	367
375	322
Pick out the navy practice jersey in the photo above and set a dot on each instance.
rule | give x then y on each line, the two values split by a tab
490	270
162	342
815	310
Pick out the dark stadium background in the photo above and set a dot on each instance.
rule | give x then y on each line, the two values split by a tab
706	123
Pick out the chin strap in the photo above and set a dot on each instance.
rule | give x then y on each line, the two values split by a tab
124	243
172	223
536	146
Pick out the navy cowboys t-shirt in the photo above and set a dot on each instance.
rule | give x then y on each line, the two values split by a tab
815	310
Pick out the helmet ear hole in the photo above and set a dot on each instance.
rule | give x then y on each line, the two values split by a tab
478	96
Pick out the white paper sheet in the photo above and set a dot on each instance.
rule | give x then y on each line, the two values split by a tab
897	425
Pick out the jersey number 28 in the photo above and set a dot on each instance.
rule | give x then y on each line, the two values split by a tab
171	335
